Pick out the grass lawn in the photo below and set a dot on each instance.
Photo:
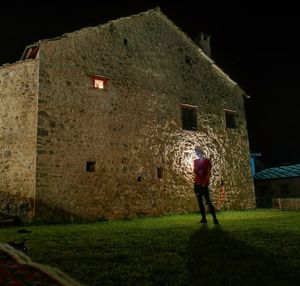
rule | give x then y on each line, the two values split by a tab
260	247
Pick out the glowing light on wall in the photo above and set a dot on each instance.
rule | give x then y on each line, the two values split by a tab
181	154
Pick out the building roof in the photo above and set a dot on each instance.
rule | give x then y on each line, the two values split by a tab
158	11
281	172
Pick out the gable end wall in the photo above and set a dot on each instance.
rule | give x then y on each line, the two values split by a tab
134	127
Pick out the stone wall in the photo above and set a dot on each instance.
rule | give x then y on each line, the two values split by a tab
18	120
133	127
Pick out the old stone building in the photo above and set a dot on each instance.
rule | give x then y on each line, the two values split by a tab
102	123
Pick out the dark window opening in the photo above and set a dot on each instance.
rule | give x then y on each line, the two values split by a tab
188	60
230	118
283	190
160	173
125	42
90	166
30	53
189	117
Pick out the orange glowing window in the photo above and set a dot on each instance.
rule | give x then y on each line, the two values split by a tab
100	82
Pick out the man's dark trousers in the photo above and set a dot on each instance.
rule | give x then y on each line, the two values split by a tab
203	191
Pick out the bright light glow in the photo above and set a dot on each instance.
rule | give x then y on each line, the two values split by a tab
181	155
99	83
188	159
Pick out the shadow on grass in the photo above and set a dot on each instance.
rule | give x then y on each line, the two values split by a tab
215	258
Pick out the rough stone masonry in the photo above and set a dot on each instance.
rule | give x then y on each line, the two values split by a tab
71	151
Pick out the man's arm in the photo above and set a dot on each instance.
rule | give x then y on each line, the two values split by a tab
207	173
206	179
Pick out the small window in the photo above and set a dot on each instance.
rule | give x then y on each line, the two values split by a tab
189	117
188	60
160	173
230	118
100	82
90	166
30	53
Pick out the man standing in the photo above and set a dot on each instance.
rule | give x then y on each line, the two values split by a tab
202	171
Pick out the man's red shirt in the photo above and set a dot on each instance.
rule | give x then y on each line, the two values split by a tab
202	171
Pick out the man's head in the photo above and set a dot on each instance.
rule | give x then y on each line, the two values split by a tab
199	152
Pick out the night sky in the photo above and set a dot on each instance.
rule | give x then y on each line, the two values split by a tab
254	44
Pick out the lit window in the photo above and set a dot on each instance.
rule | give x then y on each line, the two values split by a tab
189	117
230	118
100	82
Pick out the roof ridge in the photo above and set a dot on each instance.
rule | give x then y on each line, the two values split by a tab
287	171
103	25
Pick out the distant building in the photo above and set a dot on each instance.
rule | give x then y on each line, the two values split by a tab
256	164
278	187
102	123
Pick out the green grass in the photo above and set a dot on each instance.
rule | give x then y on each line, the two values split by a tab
260	247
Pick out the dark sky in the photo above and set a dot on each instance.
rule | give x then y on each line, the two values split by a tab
254	44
